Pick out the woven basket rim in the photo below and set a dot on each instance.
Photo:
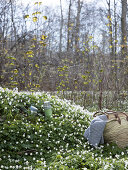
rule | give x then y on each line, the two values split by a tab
109	112
114	119
113	115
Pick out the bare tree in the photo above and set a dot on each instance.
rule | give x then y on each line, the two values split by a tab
115	28
77	29
61	29
110	29
123	28
68	25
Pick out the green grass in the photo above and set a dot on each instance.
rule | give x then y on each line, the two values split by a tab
28	141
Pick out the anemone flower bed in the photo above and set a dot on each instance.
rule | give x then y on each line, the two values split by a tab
29	141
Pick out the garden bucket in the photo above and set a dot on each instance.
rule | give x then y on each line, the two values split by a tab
116	129
47	110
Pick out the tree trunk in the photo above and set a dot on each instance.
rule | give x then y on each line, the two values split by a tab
115	27
110	30
115	46
12	19
68	25
61	29
124	64
77	31
123	28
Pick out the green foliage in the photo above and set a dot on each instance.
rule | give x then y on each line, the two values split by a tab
63	73
28	141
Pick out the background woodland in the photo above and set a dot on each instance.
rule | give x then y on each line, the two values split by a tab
76	47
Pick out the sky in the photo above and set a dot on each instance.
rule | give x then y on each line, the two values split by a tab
51	3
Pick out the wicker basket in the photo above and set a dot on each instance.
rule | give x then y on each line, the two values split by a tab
116	129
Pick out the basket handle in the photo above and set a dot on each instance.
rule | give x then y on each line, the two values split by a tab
111	112
126	116
117	117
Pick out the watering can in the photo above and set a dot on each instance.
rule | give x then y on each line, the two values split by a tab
47	110
33	109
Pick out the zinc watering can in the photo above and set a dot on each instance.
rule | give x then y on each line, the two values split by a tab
33	109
